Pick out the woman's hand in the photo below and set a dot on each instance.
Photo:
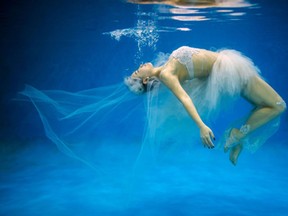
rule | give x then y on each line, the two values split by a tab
206	134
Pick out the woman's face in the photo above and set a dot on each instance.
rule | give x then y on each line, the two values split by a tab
143	71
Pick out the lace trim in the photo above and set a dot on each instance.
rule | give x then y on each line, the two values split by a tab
184	55
245	129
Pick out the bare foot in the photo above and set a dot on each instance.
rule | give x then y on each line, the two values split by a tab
235	153
234	138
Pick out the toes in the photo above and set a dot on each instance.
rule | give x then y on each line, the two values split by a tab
235	153
233	162
233	159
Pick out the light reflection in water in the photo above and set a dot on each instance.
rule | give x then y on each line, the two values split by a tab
189	10
196	3
150	23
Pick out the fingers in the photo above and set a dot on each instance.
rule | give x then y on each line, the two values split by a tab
212	135
206	136
207	142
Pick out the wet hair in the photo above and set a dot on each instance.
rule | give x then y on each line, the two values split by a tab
137	86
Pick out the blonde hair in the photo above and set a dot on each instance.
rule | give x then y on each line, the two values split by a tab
137	86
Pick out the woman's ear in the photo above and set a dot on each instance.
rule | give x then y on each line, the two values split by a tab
145	80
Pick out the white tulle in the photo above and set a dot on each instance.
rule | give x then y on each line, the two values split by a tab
230	73
78	122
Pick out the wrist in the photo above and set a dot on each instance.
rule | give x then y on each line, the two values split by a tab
201	125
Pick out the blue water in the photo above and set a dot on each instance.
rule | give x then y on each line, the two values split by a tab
70	45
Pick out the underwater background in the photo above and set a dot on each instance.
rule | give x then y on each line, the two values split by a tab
77	45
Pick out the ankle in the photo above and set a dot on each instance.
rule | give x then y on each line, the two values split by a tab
236	134
245	129
242	132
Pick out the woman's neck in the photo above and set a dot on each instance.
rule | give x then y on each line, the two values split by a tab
156	71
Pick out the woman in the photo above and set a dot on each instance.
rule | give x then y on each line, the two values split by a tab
226	72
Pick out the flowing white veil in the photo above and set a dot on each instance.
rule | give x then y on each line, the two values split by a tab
79	122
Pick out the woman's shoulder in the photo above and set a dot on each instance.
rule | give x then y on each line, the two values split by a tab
171	65
172	69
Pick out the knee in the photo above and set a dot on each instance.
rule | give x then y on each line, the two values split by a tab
280	107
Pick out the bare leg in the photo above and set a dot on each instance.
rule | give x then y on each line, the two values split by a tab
234	153
268	105
235	150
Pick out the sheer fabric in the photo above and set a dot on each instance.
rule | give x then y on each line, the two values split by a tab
184	56
79	122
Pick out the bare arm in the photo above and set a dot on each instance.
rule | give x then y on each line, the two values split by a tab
172	82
